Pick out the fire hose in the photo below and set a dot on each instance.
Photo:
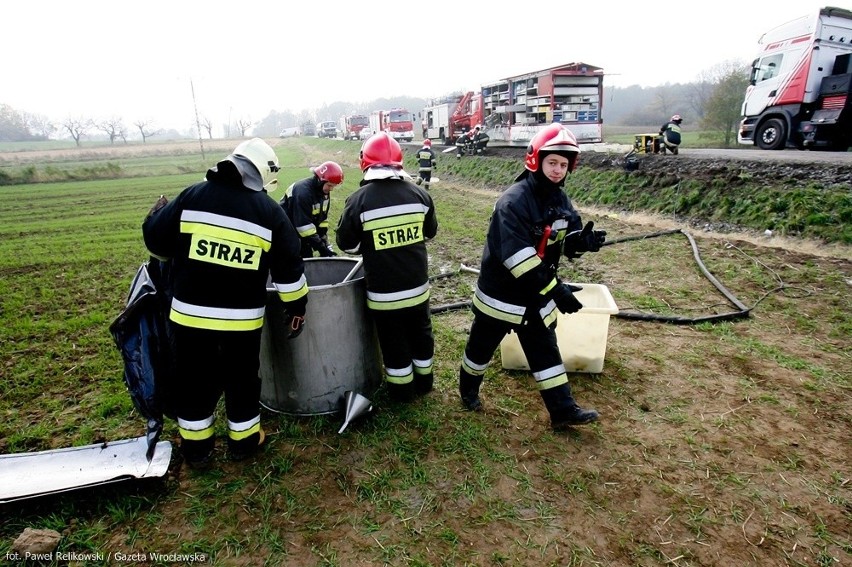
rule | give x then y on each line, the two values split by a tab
742	311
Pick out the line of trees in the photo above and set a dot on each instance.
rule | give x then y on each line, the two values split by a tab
711	103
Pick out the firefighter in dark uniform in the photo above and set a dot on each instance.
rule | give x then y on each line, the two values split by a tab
532	226
388	221
464	143
307	202
480	140
225	237
426	163
670	131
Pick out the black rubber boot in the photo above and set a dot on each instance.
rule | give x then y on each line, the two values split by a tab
246	448
423	383
402	393
469	391
563	409
573	415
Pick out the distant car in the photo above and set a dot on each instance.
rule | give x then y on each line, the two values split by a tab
289	132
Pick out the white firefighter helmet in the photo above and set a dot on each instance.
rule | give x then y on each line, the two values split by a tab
263	158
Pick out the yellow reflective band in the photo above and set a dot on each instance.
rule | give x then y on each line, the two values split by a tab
548	287
472	368
552	382
228	234
306	230
240	435
549	317
288	296
394	237
398	303
224	253
216	324
392	221
199	435
525	266
406	379
496	313
323	224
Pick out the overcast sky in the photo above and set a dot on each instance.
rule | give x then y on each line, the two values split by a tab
140	60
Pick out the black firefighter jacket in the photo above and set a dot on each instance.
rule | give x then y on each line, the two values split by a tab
531	216
225	240
307	206
387	221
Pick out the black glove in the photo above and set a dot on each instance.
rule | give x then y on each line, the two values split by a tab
586	240
295	313
326	251
563	296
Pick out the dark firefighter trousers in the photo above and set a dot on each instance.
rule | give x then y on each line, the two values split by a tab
210	363
424	174
539	345
408	345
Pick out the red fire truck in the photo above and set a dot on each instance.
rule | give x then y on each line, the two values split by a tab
396	122
355	127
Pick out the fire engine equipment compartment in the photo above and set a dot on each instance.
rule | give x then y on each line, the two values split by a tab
581	336
337	350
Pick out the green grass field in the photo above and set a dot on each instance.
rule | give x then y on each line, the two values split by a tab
722	443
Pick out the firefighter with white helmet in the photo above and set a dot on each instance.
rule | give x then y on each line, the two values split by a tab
670	132
225	237
388	221
533	224
426	163
307	203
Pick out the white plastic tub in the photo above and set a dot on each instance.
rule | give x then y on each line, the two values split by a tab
582	336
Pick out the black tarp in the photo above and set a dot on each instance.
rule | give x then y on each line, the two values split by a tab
142	333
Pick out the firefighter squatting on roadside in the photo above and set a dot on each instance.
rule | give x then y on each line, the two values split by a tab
307	202
226	238
670	132
387	221
532	226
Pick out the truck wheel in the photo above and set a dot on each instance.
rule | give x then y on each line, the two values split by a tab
772	135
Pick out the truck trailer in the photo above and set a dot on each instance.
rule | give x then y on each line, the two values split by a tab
798	93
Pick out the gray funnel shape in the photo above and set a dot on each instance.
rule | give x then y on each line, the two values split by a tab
356	405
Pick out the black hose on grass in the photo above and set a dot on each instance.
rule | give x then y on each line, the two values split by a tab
742	311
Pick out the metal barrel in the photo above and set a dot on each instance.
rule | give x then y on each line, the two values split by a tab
338	350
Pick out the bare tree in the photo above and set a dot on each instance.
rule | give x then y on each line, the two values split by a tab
112	127
39	125
665	100
146	129
207	124
77	127
243	124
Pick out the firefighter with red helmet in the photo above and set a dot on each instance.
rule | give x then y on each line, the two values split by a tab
533	224
426	163
307	203
388	221
225	238
670	132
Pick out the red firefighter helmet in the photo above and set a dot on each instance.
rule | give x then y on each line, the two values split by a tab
329	172
554	138
427	142
380	149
